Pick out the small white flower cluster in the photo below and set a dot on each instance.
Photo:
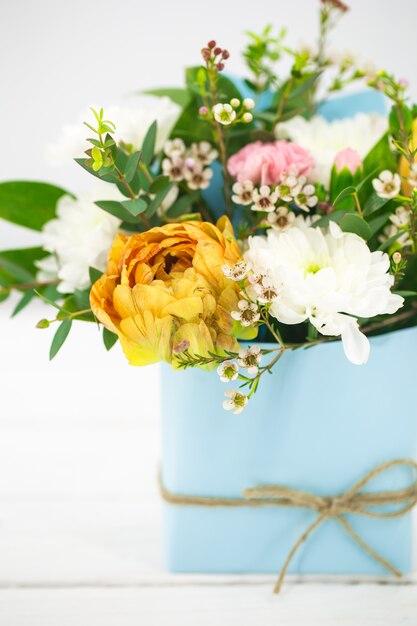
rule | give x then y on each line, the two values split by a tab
228	371
189	164
387	185
261	291
231	112
291	189
400	222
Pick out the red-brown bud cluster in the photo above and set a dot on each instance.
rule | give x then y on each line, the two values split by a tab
214	56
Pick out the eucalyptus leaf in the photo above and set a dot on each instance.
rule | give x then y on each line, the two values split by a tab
135	206
374	203
148	147
117	209
132	165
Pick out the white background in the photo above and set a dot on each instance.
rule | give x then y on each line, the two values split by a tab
84	428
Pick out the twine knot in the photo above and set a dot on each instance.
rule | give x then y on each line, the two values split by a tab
354	500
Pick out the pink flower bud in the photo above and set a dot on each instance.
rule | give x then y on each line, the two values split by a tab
348	158
211	43
203	111
217	51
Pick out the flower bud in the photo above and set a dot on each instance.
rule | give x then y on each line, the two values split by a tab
396	257
43	324
203	111
248	103
348	158
247	118
225	54
235	102
217	51
211	44
220	66
205	53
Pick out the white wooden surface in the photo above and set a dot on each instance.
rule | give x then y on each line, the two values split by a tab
80	531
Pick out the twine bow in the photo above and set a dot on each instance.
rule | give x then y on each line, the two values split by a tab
354	500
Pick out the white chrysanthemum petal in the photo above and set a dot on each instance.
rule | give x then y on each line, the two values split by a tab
355	344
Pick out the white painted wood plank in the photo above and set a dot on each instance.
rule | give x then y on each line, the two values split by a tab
310	605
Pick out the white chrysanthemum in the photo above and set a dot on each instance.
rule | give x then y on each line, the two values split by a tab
79	238
132	119
328	277
325	139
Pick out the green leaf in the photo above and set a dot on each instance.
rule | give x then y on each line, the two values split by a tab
374	203
23	258
376	223
135	206
117	209
132	165
345	193
406	294
21	274
385	245
353	223
178	95
29	203
182	205
23	302
159	198
109	338
148	147
95	274
59	337
159	183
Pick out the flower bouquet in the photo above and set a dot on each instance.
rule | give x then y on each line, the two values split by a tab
252	226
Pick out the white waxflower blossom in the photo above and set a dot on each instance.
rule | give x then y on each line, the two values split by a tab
264	199
328	277
243	192
290	185
306	198
249	359
325	139
197	176
203	152
228	371
174	148
404	240
282	219
236	272
247	314
401	217
387	185
236	401
174	168
79	238
224	114
132	118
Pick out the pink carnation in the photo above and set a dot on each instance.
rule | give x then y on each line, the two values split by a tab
348	158
263	163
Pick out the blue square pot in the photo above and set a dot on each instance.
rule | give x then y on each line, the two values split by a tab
317	424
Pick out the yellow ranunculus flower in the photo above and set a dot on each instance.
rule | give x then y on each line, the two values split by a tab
164	289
